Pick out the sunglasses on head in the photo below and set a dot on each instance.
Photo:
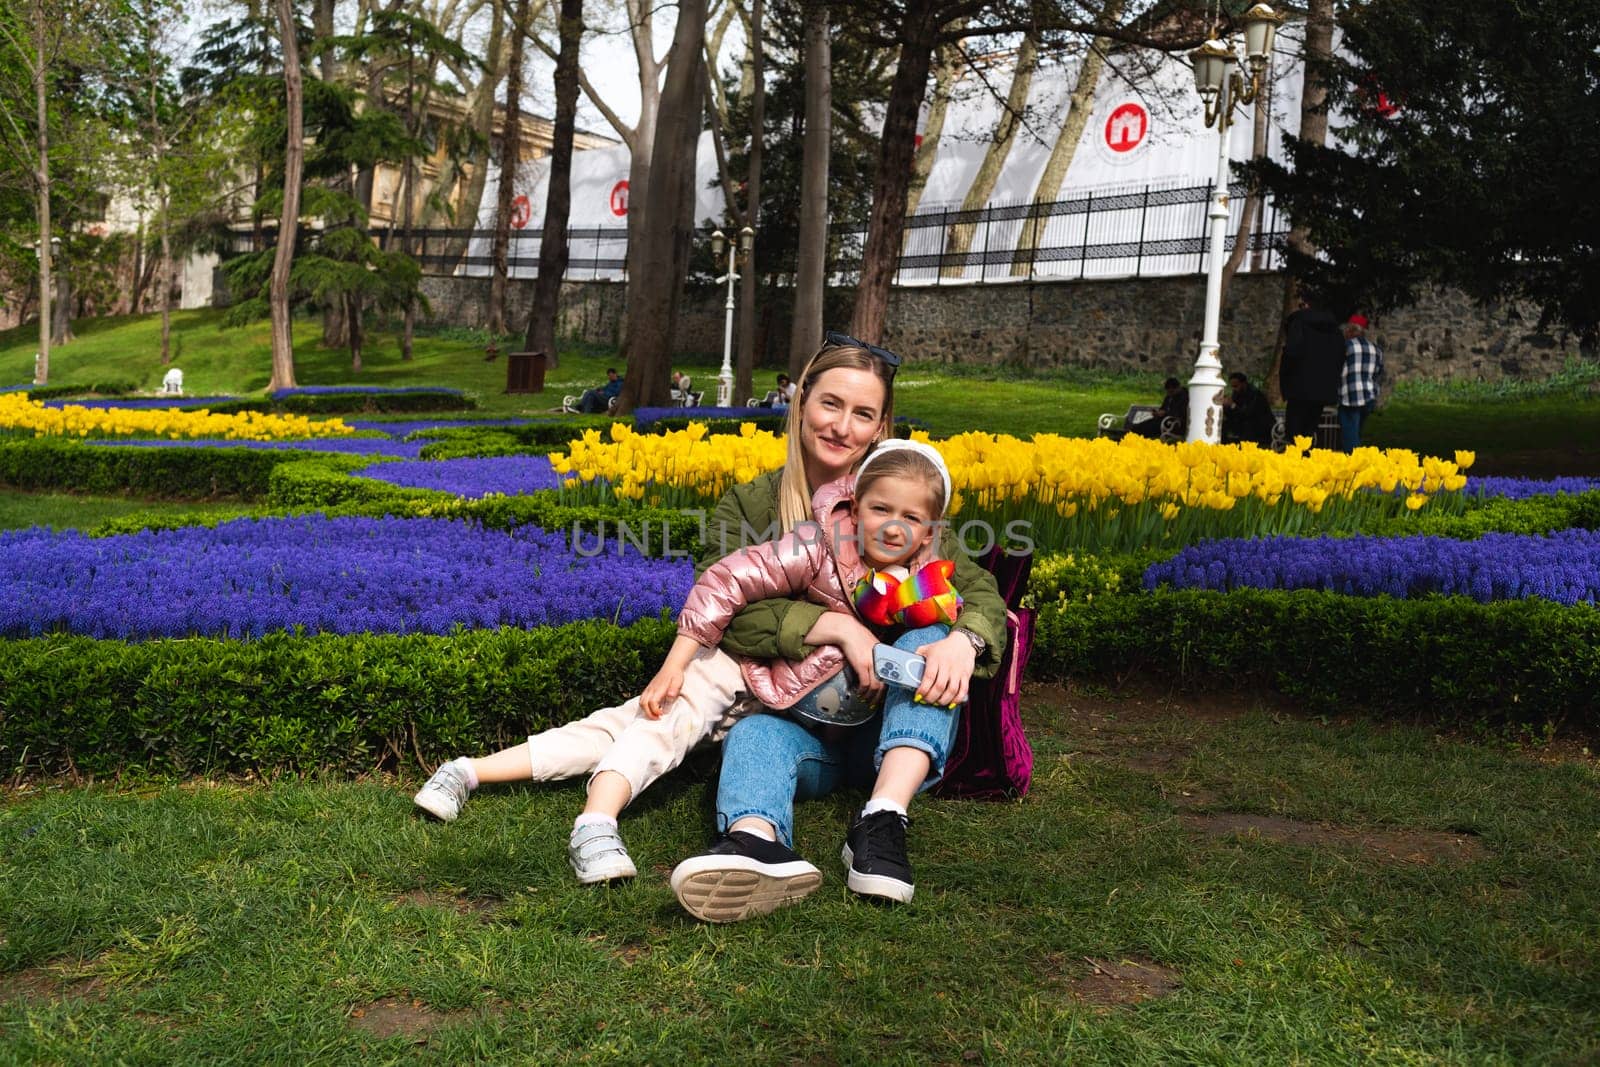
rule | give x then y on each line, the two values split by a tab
844	340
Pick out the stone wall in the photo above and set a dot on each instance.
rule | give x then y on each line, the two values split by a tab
1138	324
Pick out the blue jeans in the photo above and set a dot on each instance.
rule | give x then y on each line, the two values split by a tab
1351	419
770	761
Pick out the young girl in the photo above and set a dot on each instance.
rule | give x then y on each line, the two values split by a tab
870	546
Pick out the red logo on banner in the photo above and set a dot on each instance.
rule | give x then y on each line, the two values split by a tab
521	212
1126	127
619	198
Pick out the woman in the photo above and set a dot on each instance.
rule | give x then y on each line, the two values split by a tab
844	405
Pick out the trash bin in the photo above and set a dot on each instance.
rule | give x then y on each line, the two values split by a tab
525	372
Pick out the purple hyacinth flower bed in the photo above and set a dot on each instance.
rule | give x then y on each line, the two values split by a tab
644	417
1564	566
1523	488
325	390
358	446
251	577
24	387
144	403
470	478
411	426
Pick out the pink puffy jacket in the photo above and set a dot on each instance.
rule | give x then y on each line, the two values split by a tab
822	565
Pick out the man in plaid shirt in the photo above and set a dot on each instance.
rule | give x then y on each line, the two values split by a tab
1358	387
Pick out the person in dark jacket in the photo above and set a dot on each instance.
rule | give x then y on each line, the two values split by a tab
1313	359
1246	415
1174	405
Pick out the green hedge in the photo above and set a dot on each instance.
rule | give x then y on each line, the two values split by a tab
1497	514
56	392
1450	656
350	403
53	463
299	703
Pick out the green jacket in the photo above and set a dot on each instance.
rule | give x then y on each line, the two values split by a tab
776	629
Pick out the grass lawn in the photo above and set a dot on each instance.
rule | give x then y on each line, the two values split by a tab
1209	882
66	511
1540	436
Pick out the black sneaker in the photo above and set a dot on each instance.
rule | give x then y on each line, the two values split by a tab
741	876
875	852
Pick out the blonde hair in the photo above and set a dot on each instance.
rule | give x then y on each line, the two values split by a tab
902	464
794	487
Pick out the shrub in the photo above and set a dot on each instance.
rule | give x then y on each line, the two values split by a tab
351	704
37	464
109	388
346	403
1527	659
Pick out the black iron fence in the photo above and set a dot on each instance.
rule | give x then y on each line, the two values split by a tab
1138	232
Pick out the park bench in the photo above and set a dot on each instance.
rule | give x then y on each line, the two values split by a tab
1117	426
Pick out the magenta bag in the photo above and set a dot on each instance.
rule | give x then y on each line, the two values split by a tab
991	758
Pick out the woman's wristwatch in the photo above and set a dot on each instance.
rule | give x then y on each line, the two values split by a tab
978	643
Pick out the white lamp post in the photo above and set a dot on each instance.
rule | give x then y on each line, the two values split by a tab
747	240
1222	87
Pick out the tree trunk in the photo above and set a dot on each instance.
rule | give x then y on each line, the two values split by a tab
744	369
541	335
1313	130
61	308
882	252
994	160
1079	104
41	368
641	144
944	79
805	336
510	156
165	274
408	194
1252	200
657	286
357	336
288	224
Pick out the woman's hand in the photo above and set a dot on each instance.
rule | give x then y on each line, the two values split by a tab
948	671
854	640
662	692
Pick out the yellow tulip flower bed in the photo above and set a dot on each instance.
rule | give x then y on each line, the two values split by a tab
1072	493
19	414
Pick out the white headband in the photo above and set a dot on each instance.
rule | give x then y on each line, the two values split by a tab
897	444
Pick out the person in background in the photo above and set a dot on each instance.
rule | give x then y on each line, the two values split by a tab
1358	390
1246	415
779	397
598	400
1313	361
1174	405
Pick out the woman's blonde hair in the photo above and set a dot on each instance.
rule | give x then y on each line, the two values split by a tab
794	487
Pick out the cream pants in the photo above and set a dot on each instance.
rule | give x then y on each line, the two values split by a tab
641	749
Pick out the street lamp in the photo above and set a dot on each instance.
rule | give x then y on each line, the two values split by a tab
1221	87
736	251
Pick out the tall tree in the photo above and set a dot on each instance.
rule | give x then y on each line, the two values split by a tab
510	160
948	63
1472	135
806	336
541	334
1012	116
917	33
1079	103
655	286
744	384
289	217
54	49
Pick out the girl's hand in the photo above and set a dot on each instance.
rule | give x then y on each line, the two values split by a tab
662	692
948	672
854	640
